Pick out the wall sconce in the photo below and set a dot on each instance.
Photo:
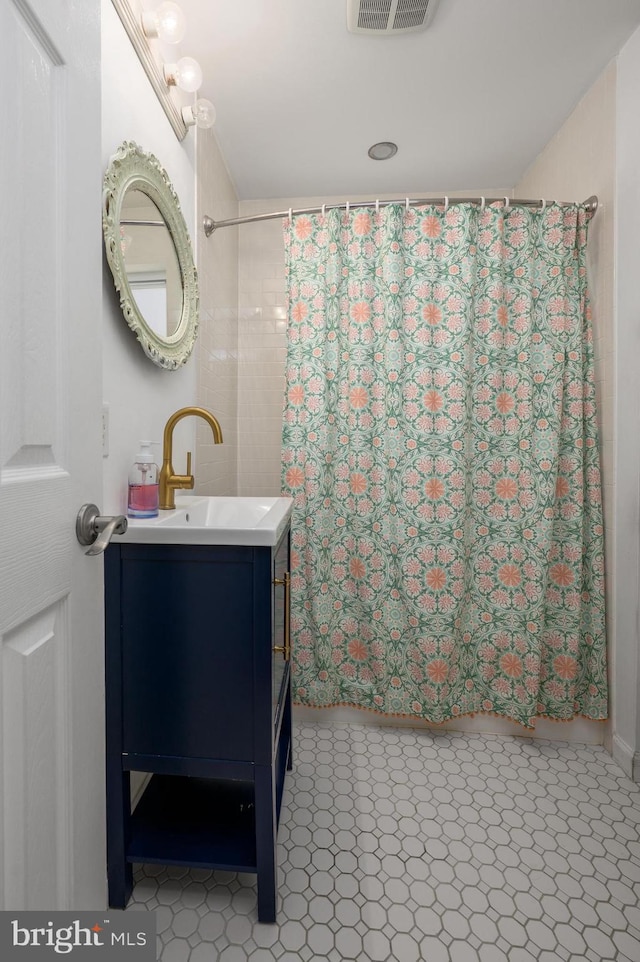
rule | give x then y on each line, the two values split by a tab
202	113
185	74
167	23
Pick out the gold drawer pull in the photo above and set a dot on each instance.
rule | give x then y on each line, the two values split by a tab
286	648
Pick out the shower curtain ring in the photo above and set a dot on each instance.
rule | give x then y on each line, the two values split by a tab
377	206
346	210
482	203
406	204
290	216
446	203
323	211
543	204
506	203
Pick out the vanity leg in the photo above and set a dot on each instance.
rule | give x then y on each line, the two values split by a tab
287	721
118	782
119	871
265	808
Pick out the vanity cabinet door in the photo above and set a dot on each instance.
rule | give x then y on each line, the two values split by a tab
187	625
281	626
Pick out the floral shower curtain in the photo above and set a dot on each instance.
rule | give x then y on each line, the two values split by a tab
440	444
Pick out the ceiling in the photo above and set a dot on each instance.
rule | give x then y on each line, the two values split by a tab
470	101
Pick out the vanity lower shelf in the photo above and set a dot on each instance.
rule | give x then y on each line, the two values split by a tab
202	822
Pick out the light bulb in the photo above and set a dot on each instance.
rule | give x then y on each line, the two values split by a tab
186	74
167	22
202	113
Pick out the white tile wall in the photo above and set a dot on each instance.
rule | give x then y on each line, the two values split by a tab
261	351
217	350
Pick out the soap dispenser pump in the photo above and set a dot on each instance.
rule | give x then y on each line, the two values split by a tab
143	484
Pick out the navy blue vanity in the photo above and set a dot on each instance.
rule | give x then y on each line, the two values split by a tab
199	695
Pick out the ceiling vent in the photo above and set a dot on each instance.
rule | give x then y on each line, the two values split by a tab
385	17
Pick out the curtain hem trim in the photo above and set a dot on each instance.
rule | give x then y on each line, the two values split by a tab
469	714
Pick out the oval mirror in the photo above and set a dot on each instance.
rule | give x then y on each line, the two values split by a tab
150	256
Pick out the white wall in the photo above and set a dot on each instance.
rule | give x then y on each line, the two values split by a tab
140	395
627	410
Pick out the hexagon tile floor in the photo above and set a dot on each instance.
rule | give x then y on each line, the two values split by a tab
406	845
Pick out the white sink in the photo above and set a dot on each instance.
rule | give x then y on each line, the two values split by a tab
196	520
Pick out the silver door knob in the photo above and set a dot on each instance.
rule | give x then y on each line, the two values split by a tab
96	530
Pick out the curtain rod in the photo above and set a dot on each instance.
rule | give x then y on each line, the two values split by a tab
143	223
209	225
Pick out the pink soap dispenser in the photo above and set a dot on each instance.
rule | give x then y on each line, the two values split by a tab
143	484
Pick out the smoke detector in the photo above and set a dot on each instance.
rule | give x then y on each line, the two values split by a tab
384	17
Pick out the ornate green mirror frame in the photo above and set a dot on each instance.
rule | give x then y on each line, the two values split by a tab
132	170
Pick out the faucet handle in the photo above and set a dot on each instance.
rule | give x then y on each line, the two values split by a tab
188	462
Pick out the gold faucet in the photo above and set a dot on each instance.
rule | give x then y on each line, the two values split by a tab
168	480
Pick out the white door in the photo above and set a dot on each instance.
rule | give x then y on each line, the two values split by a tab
51	647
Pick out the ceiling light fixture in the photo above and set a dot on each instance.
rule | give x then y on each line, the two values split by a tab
167	23
384	150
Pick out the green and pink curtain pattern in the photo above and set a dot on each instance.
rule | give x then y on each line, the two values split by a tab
440	444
